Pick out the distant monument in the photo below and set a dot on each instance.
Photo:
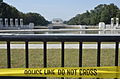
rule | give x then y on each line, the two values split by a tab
57	21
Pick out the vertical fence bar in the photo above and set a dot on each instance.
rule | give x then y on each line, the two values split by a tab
98	54
62	55
116	54
27	54
8	55
45	54
80	55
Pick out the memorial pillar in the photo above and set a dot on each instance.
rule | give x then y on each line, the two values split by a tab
6	22
1	23
112	23
117	22
102	28
21	22
31	25
16	22
11	22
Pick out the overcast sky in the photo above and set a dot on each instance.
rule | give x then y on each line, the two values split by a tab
64	9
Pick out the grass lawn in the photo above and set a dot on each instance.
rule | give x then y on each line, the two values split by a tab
54	58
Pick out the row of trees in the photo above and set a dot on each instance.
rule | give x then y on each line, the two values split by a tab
101	13
7	11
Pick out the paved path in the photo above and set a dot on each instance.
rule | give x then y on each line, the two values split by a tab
57	46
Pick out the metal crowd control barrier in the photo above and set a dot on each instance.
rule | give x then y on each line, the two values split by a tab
62	39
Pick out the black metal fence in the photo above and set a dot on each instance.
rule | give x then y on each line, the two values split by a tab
62	39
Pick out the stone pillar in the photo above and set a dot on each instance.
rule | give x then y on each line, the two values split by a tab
112	26
1	22
82	27
31	25
116	26
102	27
16	22
11	22
112	23
21	22
6	22
117	22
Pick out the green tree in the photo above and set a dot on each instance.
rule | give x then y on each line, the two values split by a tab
1	1
35	18
102	12
105	17
7	11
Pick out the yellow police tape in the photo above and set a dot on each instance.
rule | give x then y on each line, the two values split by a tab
75	72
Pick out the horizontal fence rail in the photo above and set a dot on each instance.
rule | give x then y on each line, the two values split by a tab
62	39
56	30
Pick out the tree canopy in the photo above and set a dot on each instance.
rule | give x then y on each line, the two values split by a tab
101	13
7	11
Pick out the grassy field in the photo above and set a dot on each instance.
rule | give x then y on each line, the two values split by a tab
54	58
